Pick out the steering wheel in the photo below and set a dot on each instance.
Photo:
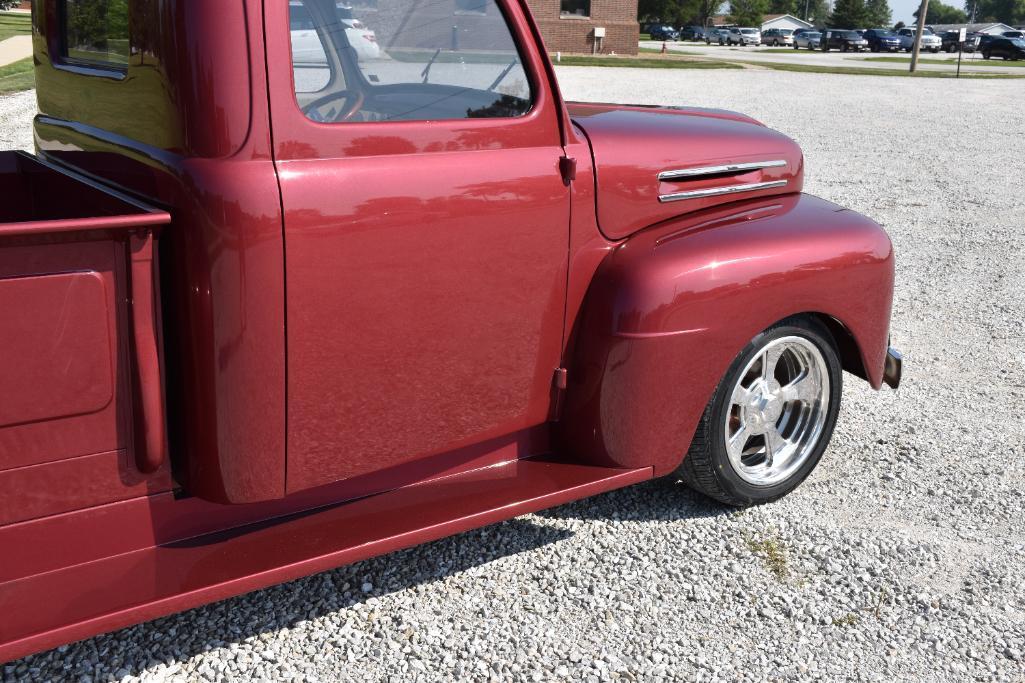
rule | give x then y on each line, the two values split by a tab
312	110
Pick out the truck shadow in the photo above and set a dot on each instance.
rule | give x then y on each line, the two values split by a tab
247	618
658	500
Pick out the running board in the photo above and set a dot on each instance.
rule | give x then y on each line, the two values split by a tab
68	604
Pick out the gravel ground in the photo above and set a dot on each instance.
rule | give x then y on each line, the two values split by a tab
899	559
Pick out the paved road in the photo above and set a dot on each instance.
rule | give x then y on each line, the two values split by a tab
970	62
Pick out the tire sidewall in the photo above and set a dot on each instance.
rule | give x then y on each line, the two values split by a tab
727	477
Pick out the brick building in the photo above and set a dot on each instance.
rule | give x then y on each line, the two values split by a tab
572	25
566	25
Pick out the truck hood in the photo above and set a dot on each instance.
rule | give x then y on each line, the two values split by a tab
656	163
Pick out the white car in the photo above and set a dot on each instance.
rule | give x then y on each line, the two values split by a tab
744	36
306	45
930	41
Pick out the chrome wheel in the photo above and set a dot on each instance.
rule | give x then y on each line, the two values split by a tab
777	411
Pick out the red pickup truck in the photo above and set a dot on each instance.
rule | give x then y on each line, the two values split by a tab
272	304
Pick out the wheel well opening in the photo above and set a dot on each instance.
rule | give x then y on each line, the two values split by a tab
850	353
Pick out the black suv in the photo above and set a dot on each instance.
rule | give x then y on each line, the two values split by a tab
843	40
692	33
950	41
1007	48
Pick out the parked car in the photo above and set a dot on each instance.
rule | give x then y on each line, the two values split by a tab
843	40
930	41
664	32
808	39
236	350
1005	48
717	35
743	36
693	33
882	40
308	47
307	43
778	36
950	41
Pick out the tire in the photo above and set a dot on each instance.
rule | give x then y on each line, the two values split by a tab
795	46
802	347
985	55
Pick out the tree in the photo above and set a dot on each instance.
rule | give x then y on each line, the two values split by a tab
785	7
748	12
847	14
678	12
1011	12
815	11
938	13
899	25
877	13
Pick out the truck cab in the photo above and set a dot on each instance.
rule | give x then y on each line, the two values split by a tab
282	301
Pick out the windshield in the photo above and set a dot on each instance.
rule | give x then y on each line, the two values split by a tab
850	35
785	31
748	31
884	34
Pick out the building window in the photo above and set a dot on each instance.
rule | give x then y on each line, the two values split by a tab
95	31
575	8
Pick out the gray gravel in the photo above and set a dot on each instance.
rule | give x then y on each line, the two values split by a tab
899	559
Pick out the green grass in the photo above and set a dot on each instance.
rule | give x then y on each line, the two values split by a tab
14	25
645	63
645	36
952	63
671	62
17	77
773	554
869	71
658	51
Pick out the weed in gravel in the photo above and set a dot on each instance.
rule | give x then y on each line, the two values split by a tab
772	552
849	619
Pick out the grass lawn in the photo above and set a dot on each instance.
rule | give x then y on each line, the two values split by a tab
645	63
869	71
17	77
645	36
952	63
14	25
673	62
658	51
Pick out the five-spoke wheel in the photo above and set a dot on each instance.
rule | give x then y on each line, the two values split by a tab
770	418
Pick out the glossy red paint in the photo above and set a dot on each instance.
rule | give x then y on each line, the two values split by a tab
670	309
68	366
632	145
197	139
159	580
455	308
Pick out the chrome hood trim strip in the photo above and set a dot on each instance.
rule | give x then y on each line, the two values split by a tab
690	173
716	191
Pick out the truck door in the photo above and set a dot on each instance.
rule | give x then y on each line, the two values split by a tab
426	232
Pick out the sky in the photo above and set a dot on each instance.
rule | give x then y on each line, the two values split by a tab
904	9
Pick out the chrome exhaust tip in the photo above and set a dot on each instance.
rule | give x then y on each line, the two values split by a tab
893	367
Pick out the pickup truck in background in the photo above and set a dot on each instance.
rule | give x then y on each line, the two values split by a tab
264	316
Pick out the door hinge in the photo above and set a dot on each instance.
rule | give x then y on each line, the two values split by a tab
560	378
568	169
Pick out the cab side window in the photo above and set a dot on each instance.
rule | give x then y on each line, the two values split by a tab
403	60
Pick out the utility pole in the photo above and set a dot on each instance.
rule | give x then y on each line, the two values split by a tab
922	10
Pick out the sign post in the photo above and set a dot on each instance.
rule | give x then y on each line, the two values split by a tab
962	35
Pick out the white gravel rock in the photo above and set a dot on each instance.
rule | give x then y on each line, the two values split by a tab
901	558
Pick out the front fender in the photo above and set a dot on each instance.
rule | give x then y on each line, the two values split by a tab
669	309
